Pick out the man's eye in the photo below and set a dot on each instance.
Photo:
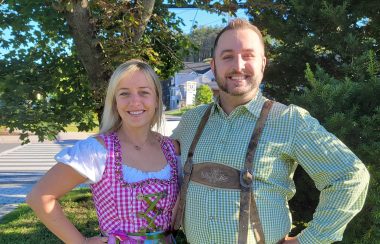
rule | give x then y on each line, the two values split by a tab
249	56
226	57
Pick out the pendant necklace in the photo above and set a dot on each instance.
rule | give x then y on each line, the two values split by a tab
137	147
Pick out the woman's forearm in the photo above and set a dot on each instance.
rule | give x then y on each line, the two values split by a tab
49	211
43	199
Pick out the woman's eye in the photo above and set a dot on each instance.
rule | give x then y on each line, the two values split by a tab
124	94
144	93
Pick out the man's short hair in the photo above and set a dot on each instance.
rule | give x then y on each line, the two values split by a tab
236	24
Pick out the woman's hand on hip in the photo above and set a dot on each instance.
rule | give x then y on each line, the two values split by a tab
96	240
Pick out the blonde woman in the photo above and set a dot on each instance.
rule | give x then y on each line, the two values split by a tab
132	170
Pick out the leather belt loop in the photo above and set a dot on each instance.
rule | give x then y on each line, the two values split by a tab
246	178
188	167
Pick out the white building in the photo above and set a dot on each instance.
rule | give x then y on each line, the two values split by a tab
185	82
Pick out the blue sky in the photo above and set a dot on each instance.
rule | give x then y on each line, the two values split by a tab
203	17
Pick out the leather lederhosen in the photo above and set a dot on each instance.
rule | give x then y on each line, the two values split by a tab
221	176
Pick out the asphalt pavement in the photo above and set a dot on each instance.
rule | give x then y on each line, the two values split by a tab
21	166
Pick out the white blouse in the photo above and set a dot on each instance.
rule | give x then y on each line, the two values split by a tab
88	157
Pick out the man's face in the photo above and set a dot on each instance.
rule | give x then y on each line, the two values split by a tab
239	62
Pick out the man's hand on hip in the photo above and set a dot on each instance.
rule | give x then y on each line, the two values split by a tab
290	240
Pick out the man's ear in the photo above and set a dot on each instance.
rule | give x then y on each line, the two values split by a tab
212	64
264	62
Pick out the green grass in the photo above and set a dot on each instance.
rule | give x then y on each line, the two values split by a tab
178	112
73	128
22	227
70	128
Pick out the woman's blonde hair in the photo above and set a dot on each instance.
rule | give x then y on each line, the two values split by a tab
111	120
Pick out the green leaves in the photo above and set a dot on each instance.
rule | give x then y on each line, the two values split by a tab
46	81
204	95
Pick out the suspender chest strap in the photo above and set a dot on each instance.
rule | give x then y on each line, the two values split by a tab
222	176
248	207
187	168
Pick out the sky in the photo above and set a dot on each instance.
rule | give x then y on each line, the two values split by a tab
203	18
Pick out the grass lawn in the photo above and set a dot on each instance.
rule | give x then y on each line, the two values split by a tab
73	128
69	128
178	112
22	226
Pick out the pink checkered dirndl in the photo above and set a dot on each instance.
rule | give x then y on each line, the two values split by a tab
123	207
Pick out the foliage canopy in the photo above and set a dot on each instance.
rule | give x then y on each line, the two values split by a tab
204	95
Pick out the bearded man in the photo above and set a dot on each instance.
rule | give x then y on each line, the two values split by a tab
240	154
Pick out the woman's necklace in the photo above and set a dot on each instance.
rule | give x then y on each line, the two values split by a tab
139	147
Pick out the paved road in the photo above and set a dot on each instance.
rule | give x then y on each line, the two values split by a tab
22	166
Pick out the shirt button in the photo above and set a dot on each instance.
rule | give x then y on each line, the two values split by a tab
211	218
212	189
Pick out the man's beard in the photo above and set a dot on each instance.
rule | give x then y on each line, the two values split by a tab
223	85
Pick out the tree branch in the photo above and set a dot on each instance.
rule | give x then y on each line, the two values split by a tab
146	11
88	47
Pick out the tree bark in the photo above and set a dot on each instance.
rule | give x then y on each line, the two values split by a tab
144	15
88	47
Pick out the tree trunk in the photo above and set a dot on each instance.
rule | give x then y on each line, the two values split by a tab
144	14
89	49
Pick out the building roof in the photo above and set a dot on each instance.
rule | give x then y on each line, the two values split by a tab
199	68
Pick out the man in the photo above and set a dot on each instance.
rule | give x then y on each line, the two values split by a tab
225	204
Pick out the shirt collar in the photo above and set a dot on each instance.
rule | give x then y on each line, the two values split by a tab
254	106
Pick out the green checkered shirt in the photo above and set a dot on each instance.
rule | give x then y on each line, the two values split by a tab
290	137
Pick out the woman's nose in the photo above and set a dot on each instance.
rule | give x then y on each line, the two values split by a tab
134	98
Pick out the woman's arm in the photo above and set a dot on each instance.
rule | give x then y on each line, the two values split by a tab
176	147
43	199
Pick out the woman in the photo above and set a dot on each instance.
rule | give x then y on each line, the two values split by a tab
132	170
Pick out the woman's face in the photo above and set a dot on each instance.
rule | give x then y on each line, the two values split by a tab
136	100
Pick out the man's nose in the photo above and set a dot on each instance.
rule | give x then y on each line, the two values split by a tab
239	63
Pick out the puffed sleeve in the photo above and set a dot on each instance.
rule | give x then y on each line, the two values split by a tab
87	157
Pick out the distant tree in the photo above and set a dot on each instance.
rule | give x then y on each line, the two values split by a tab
204	95
203	40
330	34
351	110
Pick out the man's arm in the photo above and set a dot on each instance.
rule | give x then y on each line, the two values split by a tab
340	176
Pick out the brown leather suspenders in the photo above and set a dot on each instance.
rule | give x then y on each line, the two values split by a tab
187	168
248	207
248	210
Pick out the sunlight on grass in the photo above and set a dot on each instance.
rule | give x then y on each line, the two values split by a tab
22	226
73	128
178	112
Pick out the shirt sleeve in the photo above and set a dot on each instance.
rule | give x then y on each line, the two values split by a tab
338	174
177	132
87	157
